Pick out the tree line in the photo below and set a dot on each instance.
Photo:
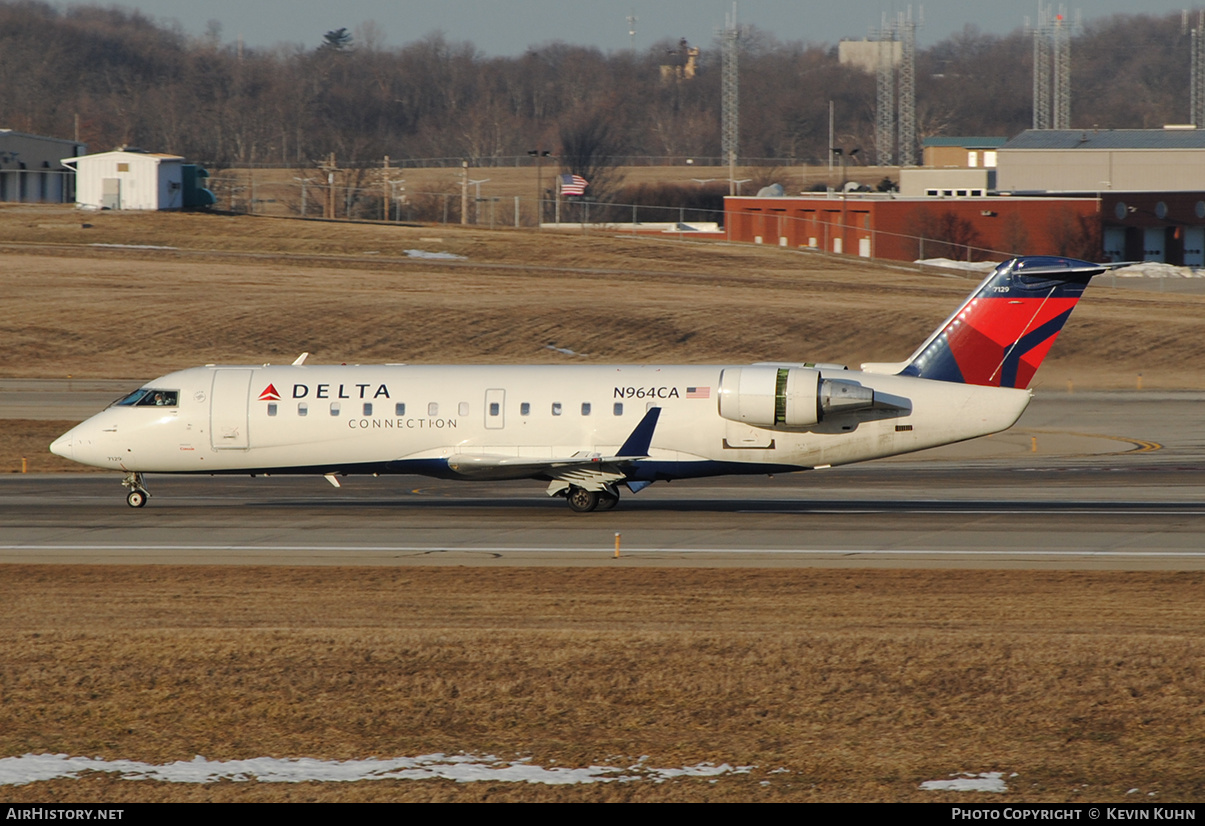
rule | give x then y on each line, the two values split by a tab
115	77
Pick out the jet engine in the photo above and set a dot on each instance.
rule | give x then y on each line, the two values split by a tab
787	396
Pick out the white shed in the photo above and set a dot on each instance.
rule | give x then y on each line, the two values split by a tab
128	179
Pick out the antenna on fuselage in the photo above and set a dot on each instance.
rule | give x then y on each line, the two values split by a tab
301	359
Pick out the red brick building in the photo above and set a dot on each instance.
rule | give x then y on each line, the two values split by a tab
905	229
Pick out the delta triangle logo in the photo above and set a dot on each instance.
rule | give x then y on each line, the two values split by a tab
269	394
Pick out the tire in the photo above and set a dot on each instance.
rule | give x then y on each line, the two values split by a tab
581	500
136	498
607	500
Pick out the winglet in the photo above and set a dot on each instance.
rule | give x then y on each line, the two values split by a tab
638	443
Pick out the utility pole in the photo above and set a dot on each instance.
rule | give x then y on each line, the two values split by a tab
464	193
539	155
330	168
385	190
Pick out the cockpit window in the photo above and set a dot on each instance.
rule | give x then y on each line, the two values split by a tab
150	397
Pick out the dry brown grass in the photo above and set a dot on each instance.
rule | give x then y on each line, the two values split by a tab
862	684
252	290
30	439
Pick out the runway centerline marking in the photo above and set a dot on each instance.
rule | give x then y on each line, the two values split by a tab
601	549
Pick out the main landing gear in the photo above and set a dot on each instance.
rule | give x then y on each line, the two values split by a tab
583	501
138	495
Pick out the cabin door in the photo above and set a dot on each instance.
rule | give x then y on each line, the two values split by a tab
228	409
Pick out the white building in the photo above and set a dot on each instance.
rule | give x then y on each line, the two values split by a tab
30	169
1171	159
128	179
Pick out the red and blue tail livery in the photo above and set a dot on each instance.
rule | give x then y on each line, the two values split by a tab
1000	335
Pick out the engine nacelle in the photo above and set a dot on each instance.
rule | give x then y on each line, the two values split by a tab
768	396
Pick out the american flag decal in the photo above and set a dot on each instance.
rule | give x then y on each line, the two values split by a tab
698	392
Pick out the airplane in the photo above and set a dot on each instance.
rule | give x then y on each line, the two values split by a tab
588	430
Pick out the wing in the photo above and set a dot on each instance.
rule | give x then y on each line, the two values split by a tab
586	469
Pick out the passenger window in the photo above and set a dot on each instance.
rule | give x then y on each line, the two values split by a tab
303	409
585	408
334	408
463	408
433	409
271	408
618	409
556	408
399	409
494	409
367	408
525	409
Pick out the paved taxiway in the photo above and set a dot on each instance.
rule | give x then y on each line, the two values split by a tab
1086	480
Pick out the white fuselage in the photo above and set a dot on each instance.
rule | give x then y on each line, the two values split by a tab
428	419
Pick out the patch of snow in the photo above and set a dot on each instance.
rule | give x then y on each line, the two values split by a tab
968	782
1141	269
437	256
462	768
563	350
951	264
1155	269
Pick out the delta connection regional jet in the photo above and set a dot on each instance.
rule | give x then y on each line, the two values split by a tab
589	430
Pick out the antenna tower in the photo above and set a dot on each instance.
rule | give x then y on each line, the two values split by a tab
1041	69
1062	71
1052	68
1197	77
730	129
908	29
884	111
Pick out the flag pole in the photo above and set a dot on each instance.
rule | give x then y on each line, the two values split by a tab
558	199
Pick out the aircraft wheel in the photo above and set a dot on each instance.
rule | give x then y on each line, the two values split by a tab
607	500
582	500
136	498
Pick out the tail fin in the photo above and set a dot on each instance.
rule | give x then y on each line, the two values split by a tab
1001	333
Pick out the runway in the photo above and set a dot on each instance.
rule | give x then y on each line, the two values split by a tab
1093	481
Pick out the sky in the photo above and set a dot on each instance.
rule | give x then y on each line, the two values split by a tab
511	27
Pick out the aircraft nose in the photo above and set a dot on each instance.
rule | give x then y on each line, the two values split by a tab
63	446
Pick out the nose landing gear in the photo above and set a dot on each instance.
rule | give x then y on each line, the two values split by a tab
138	494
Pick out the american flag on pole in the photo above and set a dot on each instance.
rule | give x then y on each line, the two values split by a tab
573	184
